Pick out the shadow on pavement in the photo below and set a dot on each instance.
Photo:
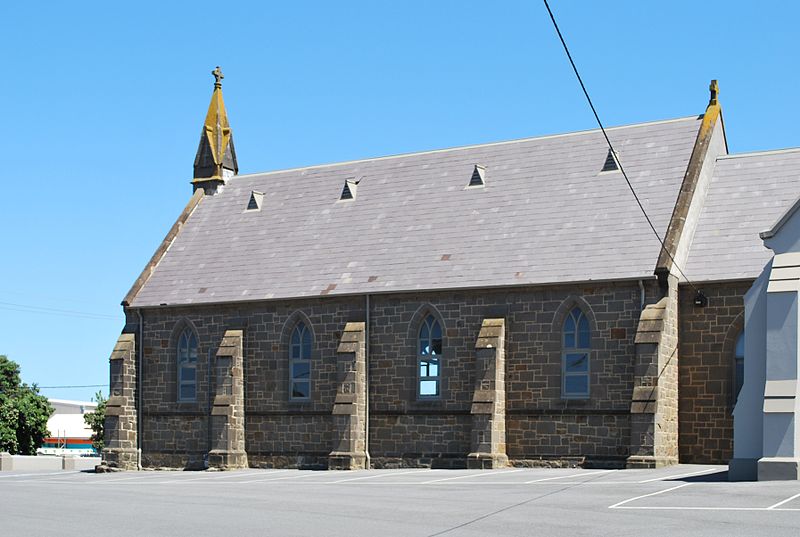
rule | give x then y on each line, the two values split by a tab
716	477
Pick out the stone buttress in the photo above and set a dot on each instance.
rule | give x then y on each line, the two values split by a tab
654	401
349	407
120	429
227	412
488	442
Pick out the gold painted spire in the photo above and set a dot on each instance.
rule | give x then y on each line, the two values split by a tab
216	156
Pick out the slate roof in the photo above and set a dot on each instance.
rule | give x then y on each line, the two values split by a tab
546	215
748	193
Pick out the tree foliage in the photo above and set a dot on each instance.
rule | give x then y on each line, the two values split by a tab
23	412
96	420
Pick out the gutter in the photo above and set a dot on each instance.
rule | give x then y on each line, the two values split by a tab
627	279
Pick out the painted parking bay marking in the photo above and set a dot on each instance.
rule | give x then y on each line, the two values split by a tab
623	502
470	475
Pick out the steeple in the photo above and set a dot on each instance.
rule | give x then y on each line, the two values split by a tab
215	161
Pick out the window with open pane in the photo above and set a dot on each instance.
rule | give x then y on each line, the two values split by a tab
430	351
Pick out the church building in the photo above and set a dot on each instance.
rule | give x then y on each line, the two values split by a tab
482	306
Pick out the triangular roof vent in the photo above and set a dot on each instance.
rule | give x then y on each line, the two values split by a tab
478	176
611	164
256	198
349	189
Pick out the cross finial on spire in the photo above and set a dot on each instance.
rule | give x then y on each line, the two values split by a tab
714	89
218	76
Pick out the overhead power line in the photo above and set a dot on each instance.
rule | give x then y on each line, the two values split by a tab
28	308
64	387
611	147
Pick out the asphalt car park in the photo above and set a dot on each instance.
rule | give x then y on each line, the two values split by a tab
679	500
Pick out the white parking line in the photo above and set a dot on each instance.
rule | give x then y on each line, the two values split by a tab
62	472
487	483
623	502
377	475
566	476
192	479
689	474
787	500
117	480
471	475
280	478
694	508
216	476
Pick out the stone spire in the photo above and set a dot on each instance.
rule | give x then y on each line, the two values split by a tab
215	161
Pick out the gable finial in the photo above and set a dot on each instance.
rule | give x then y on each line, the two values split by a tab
218	76
714	89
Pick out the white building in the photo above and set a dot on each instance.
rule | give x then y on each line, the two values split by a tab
766	441
69	434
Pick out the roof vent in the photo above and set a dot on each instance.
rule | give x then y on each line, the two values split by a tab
478	176
255	201
349	190
611	164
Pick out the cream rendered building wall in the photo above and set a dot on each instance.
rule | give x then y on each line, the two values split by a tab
767	410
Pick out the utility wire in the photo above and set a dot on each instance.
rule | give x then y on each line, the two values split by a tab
82	386
611	147
27	308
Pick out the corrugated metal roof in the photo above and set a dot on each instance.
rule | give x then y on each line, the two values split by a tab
546	215
748	193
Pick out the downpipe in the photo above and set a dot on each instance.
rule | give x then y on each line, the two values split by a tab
366	387
139	374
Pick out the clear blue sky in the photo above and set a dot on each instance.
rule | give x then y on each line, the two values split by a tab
103	103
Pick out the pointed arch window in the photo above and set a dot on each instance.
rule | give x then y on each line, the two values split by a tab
576	351
430	351
300	362
738	362
187	366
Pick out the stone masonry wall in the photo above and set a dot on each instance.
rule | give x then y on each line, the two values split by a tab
707	345
541	426
278	432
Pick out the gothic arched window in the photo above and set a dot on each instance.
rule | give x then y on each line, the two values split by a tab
187	366
576	350
300	362
430	350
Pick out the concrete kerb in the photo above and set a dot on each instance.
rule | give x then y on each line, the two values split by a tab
34	463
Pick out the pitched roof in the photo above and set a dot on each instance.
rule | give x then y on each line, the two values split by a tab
783	219
546	215
748	193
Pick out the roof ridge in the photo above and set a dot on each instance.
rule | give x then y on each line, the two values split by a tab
760	153
72	401
463	147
